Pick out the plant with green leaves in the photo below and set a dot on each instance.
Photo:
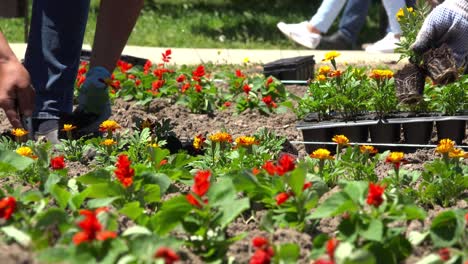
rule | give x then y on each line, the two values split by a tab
383	98
368	230
450	99
204	213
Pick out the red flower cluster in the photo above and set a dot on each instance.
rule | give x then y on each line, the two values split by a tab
181	78
268	100
123	171
166	56
124	66
284	196
198	73
147	67
200	187
331	246
7	207
239	74
263	251
246	88
285	163
81	77
91	228
57	163
444	254
269	81
374	197
167	254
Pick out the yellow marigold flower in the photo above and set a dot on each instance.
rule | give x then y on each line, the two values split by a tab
410	9
457	153
331	55
246	141
108	142
381	74
324	70
154	145
246	60
321	78
395	157
68	127
321	154
367	149
108	125
445	146
341	140
26	152
19	132
400	14
198	142
221	137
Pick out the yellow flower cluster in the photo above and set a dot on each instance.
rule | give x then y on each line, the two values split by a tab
109	125
341	140
26	152
367	149
19	132
381	74
445	146
68	127
395	157
321	154
246	141
324	70
221	137
331	55
108	142
401	13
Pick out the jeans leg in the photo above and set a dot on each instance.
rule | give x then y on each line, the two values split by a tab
392	7
53	54
353	18
326	14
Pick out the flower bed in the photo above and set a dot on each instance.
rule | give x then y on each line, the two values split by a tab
236	193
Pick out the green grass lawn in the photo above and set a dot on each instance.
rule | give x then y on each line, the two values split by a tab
210	23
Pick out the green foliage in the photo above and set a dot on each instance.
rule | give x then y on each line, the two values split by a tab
449	99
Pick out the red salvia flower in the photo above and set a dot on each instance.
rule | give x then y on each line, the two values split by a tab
124	66
307	185
159	72
82	71
332	243
323	261
202	182
263	253
281	198
131	77
198	73
227	104
156	85
444	254
270	168
91	228
269	81
247	88
239	74
166	56
80	79
137	82
7	207
198	88
185	87
374	197
192	200
255	171
167	254
57	163
268	100
260	242
147	67
285	164
181	78
123	171
163	162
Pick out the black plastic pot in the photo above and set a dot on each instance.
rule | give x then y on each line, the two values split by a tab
418	132
385	133
317	135
452	129
354	133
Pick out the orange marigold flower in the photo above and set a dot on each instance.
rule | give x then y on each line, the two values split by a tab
321	154
321	78
19	132
445	146
108	142
381	74
246	141
221	137
341	140
68	127
324	70
108	125
336	73
396	158
457	153
367	149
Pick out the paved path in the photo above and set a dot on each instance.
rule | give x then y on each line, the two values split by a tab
192	56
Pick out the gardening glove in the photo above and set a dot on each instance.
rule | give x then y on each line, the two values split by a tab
447	23
93	100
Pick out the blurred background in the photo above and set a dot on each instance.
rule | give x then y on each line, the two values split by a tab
214	23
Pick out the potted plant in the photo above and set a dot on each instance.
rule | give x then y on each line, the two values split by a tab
450	100
383	101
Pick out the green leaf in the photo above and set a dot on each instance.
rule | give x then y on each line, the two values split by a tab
19	236
446	229
374	231
104	190
101	202
414	212
160	179
288	253
50	217
116	248
416	237
78	199
360	256
232	210
61	195
132	210
136	230
31	196
51	181
356	190
297	178
170	215
94	177
152	193
431	259
10	161
334	205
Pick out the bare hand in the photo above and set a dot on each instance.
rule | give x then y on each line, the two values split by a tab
16	92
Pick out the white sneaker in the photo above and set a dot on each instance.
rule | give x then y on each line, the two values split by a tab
386	45
300	34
